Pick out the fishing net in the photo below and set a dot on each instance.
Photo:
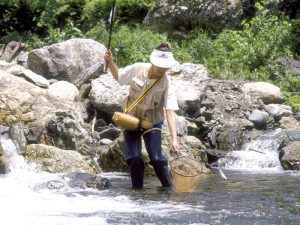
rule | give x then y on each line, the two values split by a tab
186	173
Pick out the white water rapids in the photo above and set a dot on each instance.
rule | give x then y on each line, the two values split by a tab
26	200
260	155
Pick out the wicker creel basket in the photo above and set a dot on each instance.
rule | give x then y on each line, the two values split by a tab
186	173
126	121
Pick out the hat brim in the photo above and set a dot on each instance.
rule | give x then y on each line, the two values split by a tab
162	59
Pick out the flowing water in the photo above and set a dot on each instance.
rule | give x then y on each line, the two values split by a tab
262	195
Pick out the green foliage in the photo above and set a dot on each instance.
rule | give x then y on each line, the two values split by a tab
16	16
293	100
95	11
12	36
290	83
129	44
250	50
132	11
134	44
98	32
249	53
57	14
197	49
295	36
59	35
127	11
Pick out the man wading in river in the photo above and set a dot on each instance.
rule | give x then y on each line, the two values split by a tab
140	77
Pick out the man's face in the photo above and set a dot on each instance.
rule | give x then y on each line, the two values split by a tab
159	71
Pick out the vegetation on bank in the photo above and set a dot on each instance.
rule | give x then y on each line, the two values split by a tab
250	53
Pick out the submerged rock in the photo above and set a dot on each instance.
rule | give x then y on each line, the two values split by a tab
85	180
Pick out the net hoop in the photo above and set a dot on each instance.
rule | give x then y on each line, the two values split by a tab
198	163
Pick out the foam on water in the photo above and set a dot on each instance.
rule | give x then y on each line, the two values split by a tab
25	205
16	162
259	155
26	200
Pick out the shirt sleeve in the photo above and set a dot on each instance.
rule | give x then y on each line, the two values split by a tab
126	74
170	100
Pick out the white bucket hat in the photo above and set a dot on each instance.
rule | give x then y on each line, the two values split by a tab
162	57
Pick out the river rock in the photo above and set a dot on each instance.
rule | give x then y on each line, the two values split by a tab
290	156
75	60
189	85
54	160
28	75
63	90
22	101
5	65
85	180
4	162
111	133
193	147
180	17
289	123
65	132
259	118
279	110
290	65
296	115
17	135
105	141
111	157
230	136
267	92
106	94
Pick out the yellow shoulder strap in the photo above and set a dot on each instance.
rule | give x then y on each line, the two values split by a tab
139	99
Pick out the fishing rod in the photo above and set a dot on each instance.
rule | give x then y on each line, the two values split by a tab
111	21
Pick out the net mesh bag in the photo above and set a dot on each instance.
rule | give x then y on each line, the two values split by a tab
186	173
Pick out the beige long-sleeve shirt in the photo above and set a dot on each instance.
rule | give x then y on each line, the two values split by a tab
161	97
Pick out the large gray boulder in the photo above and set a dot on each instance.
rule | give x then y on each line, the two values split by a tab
76	60
106	94
183	16
54	111
22	101
55	160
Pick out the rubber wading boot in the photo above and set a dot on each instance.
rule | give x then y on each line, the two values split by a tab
136	167
162	171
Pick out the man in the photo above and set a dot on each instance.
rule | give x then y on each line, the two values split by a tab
161	98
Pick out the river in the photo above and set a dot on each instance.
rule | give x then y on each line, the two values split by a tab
247	196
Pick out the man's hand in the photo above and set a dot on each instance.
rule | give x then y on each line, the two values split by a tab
109	58
175	147
170	114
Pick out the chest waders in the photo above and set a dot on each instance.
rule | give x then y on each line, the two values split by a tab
133	156
135	161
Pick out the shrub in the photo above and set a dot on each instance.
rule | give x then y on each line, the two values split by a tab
250	52
57	14
12	17
135	44
127	11
197	49
295	34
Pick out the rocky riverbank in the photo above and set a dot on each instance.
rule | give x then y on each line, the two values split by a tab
56	103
